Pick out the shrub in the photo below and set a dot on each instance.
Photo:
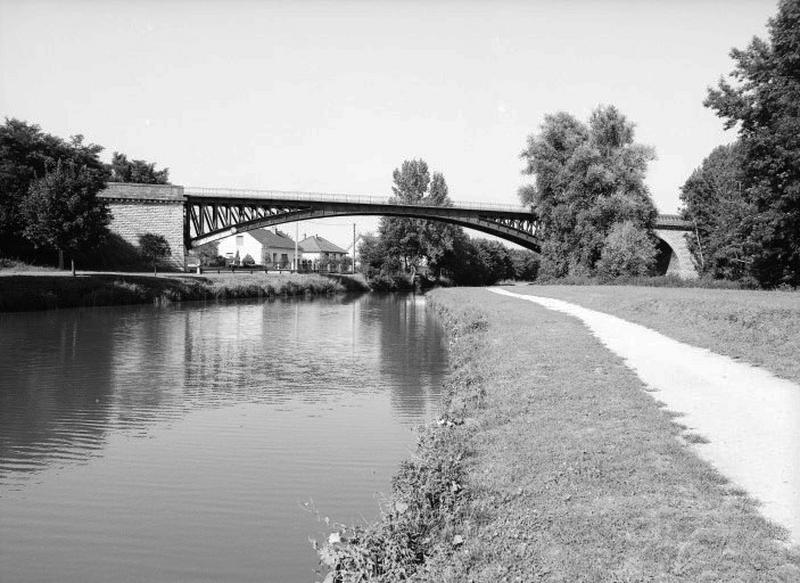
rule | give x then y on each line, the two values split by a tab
628	251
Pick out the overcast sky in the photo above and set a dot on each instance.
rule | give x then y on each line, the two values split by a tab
332	96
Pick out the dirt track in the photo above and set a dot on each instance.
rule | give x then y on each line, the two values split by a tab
750	418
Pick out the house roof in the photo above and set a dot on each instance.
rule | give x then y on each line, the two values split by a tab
271	240
317	244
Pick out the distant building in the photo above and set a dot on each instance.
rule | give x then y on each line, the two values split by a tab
269	248
321	254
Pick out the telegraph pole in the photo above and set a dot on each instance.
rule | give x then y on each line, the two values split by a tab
296	236
354	248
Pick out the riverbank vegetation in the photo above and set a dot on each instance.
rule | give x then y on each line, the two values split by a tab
40	292
550	463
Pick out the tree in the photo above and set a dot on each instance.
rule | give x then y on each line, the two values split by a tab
412	240
714	203
154	248
209	254
589	177
402	236
372	255
27	154
62	211
438	237
526	264
137	171
493	262
628	250
763	100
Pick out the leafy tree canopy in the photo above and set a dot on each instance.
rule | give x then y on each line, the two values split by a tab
412	240
61	210
27	154
155	247
526	264
762	98
137	171
627	251
714	203
588	178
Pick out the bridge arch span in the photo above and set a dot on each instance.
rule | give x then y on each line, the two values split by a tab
510	228
189	217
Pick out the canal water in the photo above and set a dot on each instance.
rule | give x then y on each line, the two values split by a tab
204	442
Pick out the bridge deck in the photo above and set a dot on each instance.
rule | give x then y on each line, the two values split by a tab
252	195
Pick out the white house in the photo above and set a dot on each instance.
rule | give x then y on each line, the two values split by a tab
270	248
319	253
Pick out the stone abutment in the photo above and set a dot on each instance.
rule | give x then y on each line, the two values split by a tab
149	208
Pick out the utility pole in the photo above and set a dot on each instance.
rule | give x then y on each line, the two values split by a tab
354	248
296	236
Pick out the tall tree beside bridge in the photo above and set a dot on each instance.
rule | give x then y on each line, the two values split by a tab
764	102
137	171
62	211
28	154
408	241
589	178
715	205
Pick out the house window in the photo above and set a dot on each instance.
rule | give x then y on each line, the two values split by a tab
240	240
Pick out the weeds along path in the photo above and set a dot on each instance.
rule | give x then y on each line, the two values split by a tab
741	419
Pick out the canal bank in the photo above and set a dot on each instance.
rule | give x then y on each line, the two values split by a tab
25	292
551	462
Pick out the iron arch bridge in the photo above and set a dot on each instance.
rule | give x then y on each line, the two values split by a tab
216	213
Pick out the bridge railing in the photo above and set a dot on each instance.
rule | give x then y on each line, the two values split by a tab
295	196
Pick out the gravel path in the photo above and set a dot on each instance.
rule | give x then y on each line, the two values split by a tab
750	417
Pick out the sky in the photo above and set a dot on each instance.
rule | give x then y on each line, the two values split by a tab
333	96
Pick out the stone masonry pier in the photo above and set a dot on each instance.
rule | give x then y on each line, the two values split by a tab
137	209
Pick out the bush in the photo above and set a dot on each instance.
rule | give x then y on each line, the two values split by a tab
628	251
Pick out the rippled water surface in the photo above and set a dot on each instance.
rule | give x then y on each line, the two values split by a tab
181	443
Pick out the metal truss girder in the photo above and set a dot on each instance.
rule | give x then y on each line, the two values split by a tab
227	219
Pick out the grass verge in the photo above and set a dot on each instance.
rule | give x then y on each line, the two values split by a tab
41	292
559	467
759	327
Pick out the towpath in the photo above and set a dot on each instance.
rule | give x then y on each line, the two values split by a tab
749	417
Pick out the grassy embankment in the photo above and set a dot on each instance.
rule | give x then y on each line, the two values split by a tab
41	291
551	463
758	327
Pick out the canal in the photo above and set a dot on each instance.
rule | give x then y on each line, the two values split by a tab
204	442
